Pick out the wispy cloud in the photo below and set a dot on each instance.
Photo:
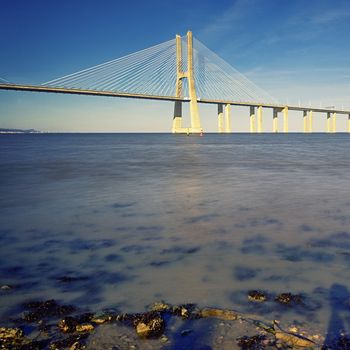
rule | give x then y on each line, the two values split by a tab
319	85
262	23
330	16
231	17
262	71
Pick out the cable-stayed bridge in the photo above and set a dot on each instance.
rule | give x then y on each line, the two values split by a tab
181	70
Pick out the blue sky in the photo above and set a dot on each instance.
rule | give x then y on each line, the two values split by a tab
294	49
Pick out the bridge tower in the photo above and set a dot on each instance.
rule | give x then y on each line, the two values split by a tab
189	75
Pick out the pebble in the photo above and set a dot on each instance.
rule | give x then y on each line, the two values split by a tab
5	287
164	338
186	332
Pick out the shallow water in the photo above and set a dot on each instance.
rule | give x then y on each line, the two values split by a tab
137	218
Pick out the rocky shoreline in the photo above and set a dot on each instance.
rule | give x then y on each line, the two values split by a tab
51	325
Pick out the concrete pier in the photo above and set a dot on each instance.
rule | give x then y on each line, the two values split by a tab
285	120
329	126
310	121
305	122
252	120
220	118
334	122
275	120
259	112
228	118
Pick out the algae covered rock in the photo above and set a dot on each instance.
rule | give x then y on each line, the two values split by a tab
85	327
228	315
150	325
39	310
77	346
71	324
73	342
10	337
257	296
186	311
289	298
256	342
105	317
161	307
292	340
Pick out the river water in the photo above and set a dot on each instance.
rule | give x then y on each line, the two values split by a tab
124	220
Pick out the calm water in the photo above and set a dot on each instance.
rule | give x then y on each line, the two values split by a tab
138	218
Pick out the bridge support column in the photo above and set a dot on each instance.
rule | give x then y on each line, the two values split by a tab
334	126
310	121
305	122
259	119
195	122
228	118
252	119
275	120
329	129
220	118
177	120
285	119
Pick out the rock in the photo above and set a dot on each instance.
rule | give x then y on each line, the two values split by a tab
293	329
143	330
44	309
71	324
101	319
291	339
256	295
228	315
5	288
294	340
256	342
164	339
186	332
69	342
67	325
85	327
186	311
13	339
288	298
77	346
10	337
104	318
160	307
150	326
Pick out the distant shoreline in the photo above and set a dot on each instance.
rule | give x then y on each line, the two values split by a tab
19	131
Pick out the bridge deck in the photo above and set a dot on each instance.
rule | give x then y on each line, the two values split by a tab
41	88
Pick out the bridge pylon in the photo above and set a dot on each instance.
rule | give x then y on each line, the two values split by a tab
189	75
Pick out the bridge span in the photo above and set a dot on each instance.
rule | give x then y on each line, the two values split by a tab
175	69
